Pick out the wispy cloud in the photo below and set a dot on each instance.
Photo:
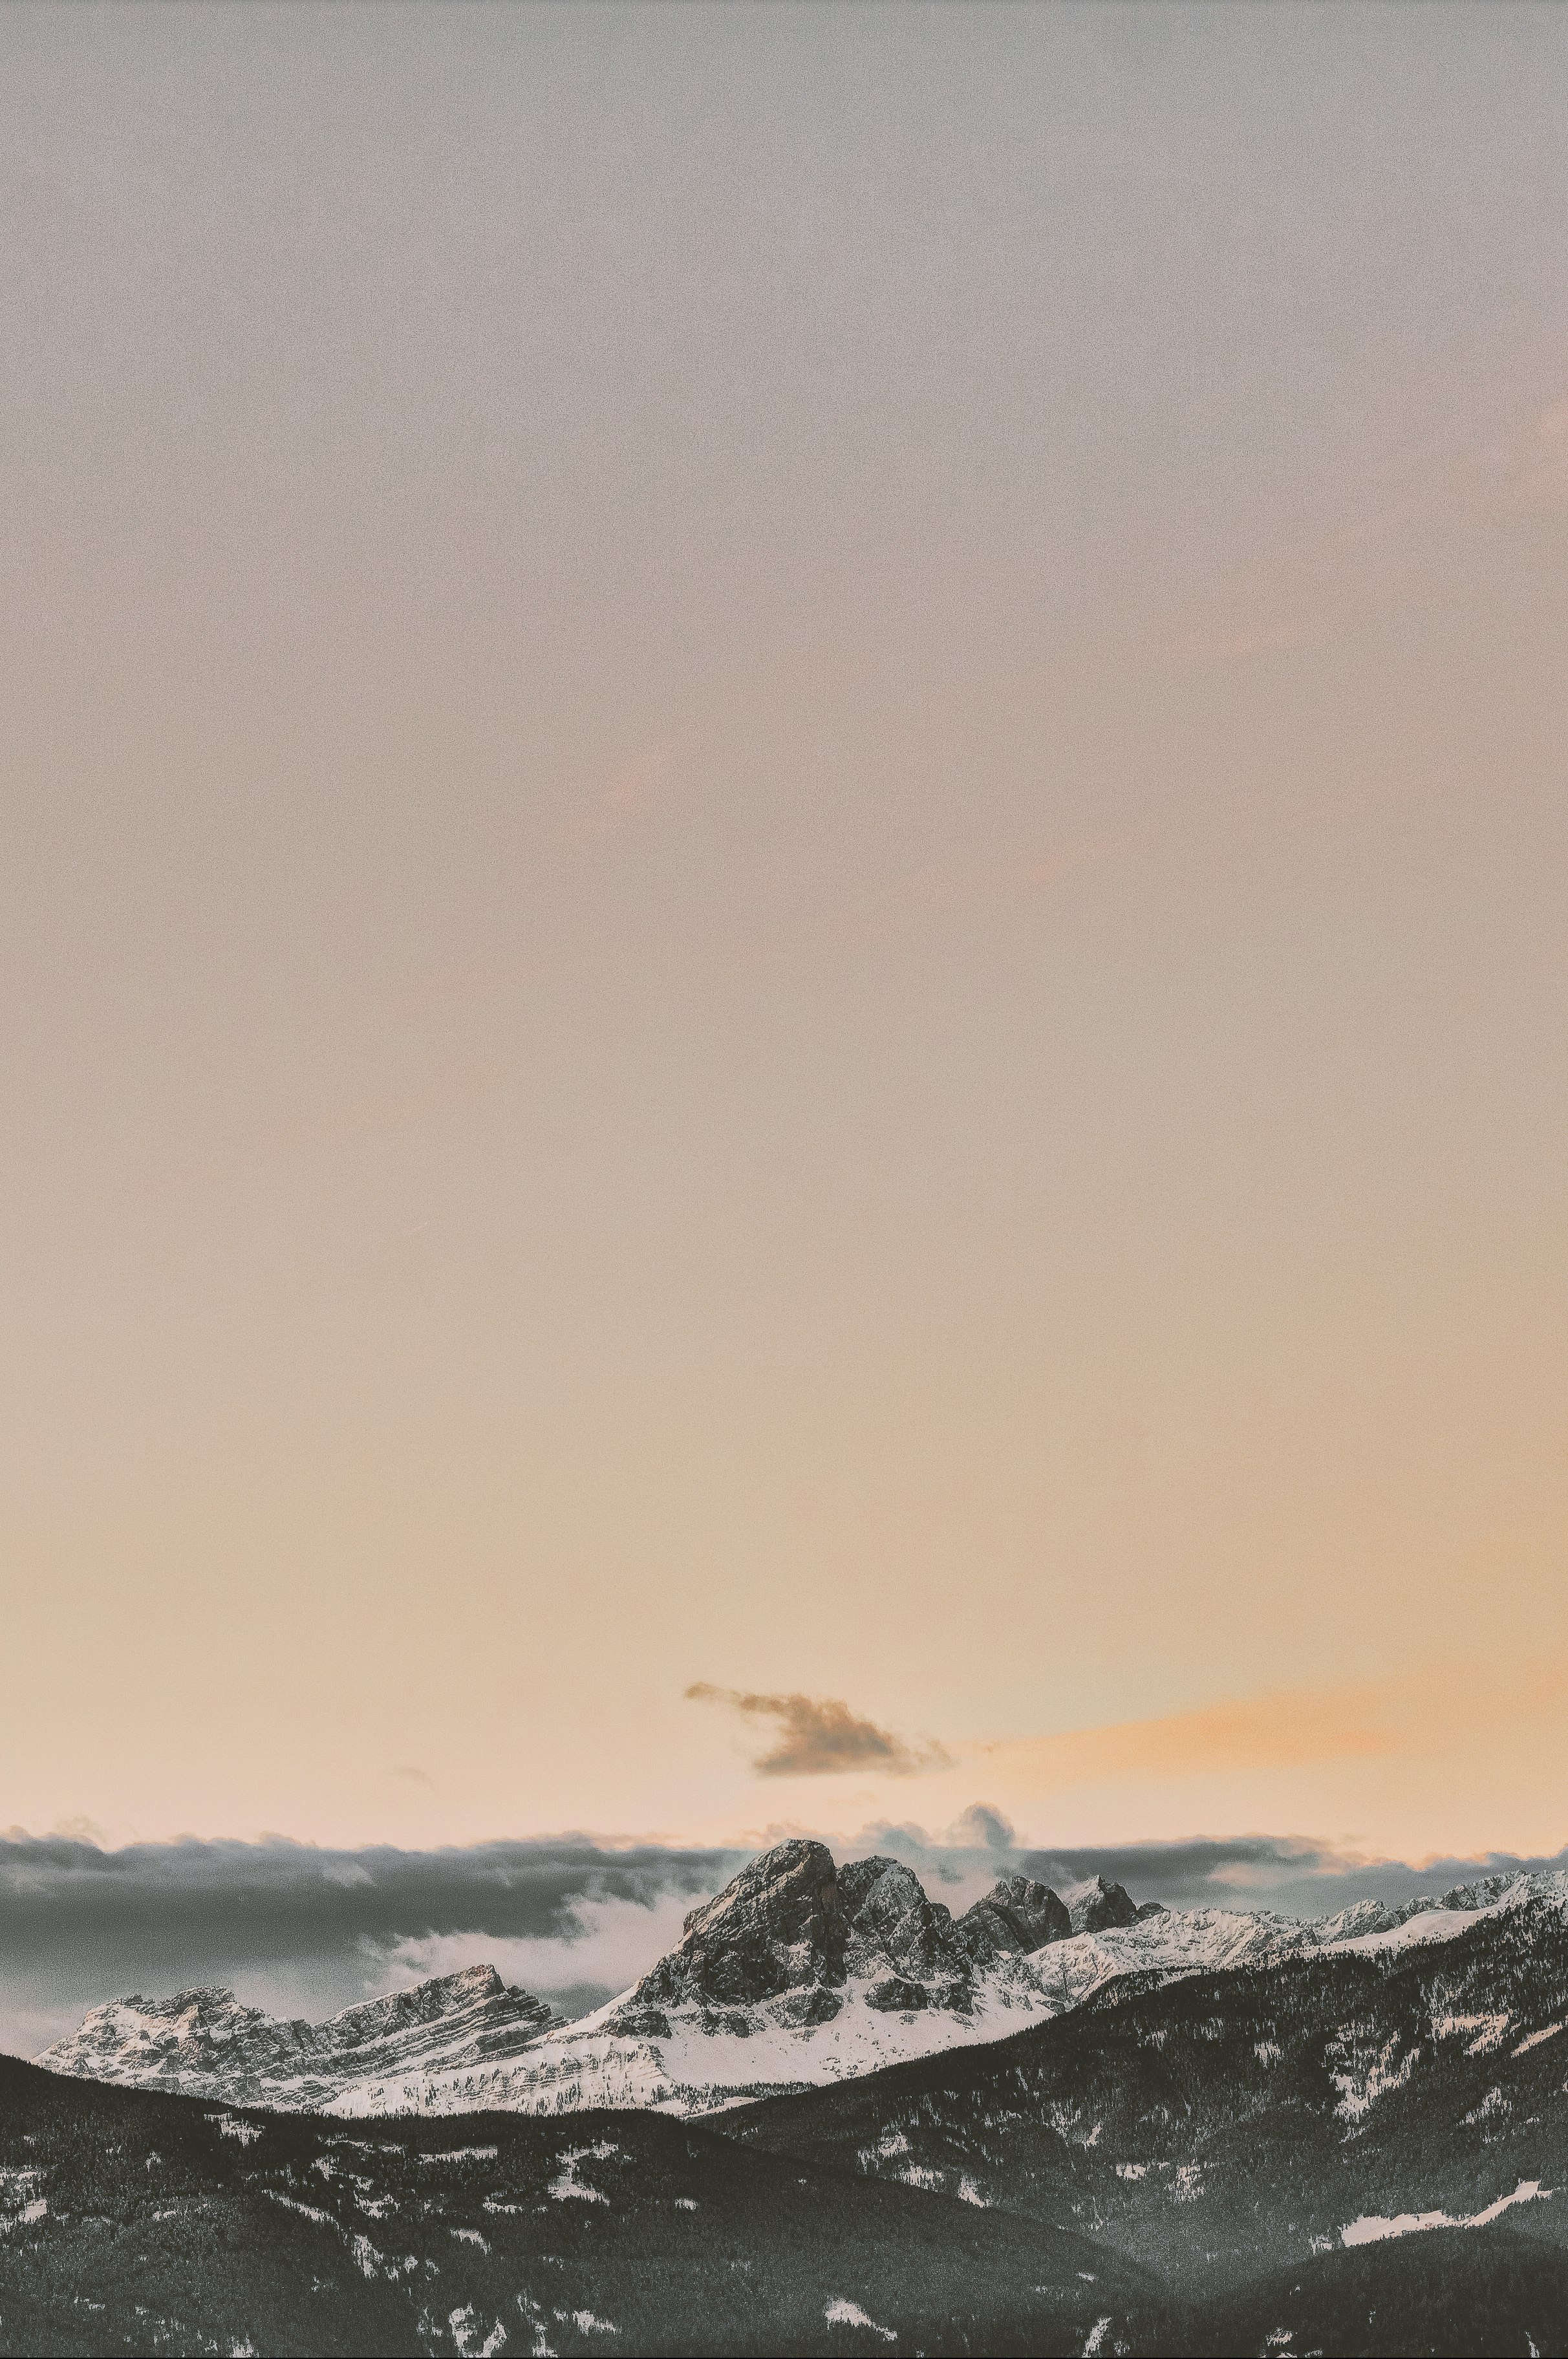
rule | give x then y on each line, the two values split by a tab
1299	1874
816	1737
1281	1730
1288	1728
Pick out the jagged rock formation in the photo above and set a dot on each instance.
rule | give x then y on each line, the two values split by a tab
792	1933
902	1940
792	1970
775	1931
1098	1907
1016	1916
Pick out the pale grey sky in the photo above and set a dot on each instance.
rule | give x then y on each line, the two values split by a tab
782	905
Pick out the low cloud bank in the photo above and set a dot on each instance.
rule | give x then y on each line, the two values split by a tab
1294	1875
304	1932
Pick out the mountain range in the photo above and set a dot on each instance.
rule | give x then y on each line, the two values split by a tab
798	1973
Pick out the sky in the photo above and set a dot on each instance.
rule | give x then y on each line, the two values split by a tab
782	980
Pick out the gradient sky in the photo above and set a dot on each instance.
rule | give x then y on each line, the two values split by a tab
782	906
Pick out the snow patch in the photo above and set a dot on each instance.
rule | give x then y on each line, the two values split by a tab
1527	2191
1370	2229
307	2210
464	2333
839	2312
1370	2073
230	2126
568	2184
915	2174
1431	1925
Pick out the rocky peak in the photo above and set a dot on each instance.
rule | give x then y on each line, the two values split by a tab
777	1926
893	1924
475	1995
1096	1905
191	2011
789	1931
1015	1917
195	2032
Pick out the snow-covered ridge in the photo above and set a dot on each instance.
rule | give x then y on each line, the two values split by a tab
206	2043
796	1975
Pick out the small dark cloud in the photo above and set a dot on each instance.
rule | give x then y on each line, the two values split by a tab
411	1769
982	1828
816	1735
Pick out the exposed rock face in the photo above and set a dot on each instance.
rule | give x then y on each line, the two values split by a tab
171	2040
777	1926
1016	1916
495	2016
894	1995
1097	1906
892	1923
793	1935
798	2010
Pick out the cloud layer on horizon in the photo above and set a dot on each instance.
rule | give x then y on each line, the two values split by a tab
303	1929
